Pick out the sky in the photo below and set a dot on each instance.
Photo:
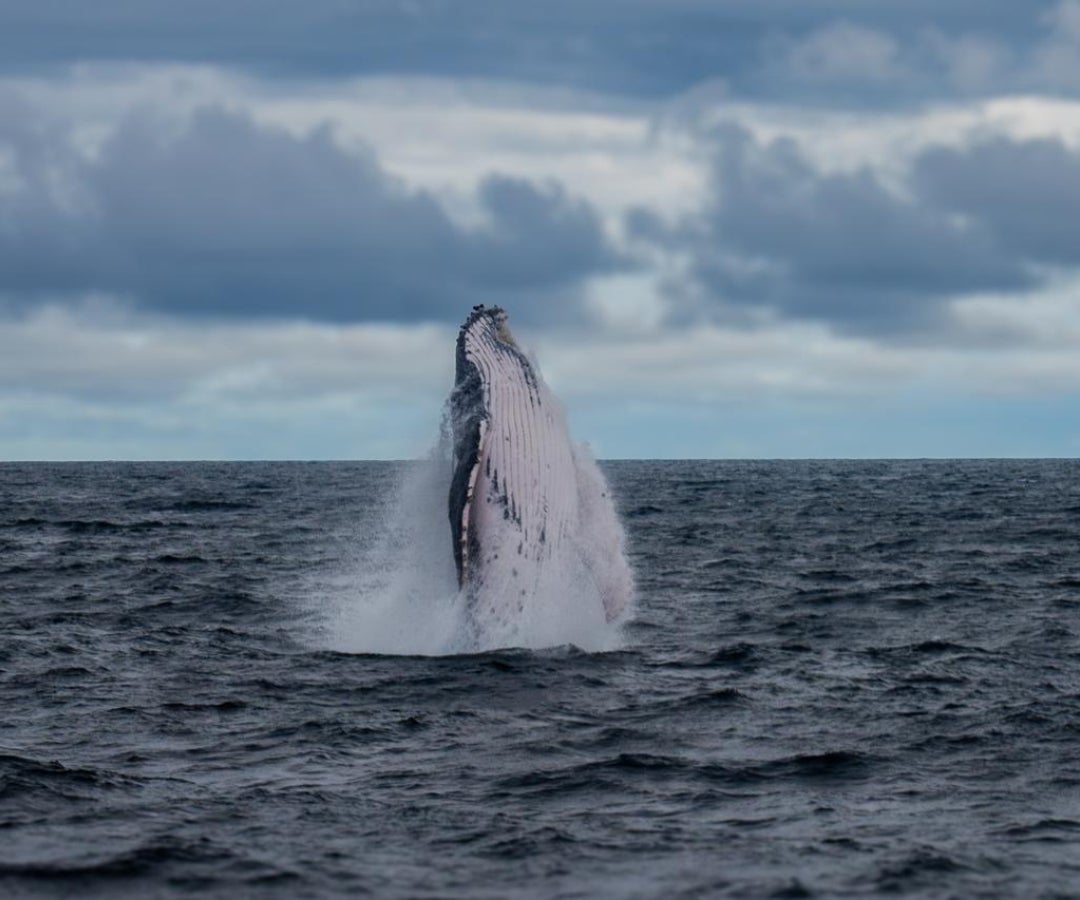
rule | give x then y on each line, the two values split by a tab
249	229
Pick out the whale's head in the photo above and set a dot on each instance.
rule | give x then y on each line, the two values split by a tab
520	512
490	321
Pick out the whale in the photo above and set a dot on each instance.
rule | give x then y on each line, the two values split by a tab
523	508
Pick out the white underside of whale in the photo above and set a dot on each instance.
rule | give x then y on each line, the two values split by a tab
537	525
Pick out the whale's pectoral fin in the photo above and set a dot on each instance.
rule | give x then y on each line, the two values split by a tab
469	425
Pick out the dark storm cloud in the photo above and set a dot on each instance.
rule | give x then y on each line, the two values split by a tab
845	249
638	47
226	216
1026	193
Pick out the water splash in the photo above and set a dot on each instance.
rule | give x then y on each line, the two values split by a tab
400	595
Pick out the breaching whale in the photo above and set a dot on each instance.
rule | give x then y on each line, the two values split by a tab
521	503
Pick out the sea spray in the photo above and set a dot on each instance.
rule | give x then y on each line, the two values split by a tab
399	595
506	536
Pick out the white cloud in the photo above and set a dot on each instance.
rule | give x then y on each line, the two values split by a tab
1056	62
102	382
887	141
848	62
99	381
627	303
447	135
100	349
843	51
1043	324
444	135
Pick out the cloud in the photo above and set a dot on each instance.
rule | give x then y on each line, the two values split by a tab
285	237
247	208
969	64
844	52
620	46
644	48
441	134
1025	193
1056	62
100	380
102	349
882	60
840	247
219	214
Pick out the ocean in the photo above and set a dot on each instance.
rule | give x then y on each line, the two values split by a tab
841	679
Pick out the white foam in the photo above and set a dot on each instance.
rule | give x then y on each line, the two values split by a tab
400	596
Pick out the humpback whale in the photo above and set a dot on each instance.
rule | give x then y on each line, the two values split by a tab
525	511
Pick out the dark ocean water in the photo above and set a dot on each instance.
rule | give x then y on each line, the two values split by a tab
844	679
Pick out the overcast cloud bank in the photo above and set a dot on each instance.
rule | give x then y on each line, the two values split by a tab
796	221
219	214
